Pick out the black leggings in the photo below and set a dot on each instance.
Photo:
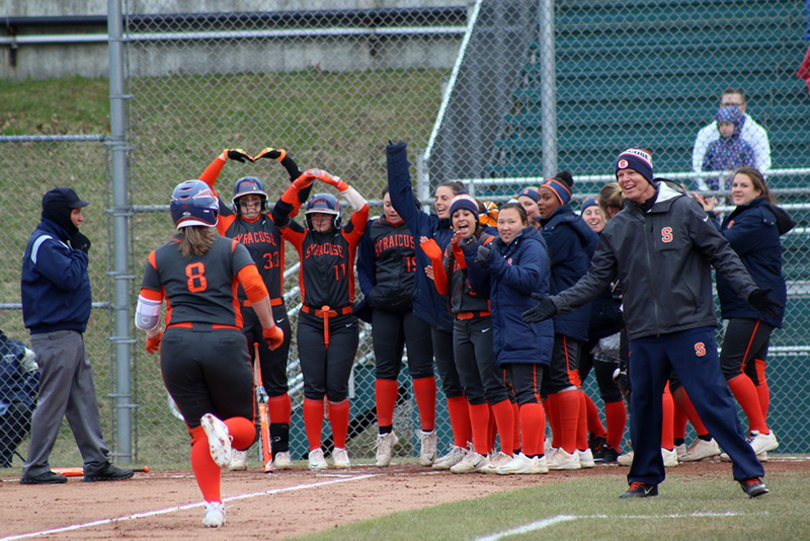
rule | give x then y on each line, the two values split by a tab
326	371
445	362
273	362
390	332
746	340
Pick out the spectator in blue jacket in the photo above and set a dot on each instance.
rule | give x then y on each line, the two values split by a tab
19	382
56	302
571	244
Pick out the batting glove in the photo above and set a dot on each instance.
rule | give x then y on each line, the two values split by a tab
765	304
153	342
236	154
271	154
328	178
544	309
274	337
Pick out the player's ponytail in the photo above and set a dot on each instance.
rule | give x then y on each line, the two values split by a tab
196	240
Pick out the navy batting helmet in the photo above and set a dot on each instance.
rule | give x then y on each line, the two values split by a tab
247	186
324	203
193	203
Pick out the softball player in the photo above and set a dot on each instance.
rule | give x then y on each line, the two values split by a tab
327	328
386	266
483	381
247	221
203	353
428	305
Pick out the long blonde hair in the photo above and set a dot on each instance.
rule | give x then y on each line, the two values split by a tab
196	240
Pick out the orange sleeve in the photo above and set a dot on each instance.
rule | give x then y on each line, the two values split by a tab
211	173
359	220
459	253
252	282
152	295
290	196
434	253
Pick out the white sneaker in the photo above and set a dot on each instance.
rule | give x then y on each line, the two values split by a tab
316	460
625	459
472	462
340	458
385	448
214	514
427	453
681	450
219	439
699	450
586	458
670	458
521	464
238	461
562	460
452	458
496	460
762	442
550	452
282	461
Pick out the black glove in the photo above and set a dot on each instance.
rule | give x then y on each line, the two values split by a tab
544	309
467	242
239	155
80	242
765	304
269	153
483	253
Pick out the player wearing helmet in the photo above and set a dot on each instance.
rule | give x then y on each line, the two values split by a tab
203	353
327	328
247	221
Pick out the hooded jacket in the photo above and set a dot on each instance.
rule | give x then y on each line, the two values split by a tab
511	273
728	153
663	257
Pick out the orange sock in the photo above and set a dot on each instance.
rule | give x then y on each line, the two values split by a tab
516	417
279	408
424	389
504	418
313	422
206	471
552	409
492	431
595	425
582	422
616	420
762	388
691	413
568	404
667	420
479	419
459	412
746	394
385	393
339	419
533	421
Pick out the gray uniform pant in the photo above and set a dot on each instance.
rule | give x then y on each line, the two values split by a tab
65	390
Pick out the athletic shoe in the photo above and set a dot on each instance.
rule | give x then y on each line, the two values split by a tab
282	461
762	457
427	453
640	490
605	454
47	478
340	458
753	487
670	458
562	460
316	460
219	439
471	463
214	514
762	442
521	464
238	461
625	459
550	452
595	442
586	459
385	448
109	473
452	458
496	460
682	450
699	450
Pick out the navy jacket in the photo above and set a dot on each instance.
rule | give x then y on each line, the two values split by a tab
55	285
753	233
512	272
571	244
428	305
16	384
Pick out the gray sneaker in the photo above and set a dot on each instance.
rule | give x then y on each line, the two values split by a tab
47	478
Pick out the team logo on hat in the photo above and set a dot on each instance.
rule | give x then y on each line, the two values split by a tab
622	164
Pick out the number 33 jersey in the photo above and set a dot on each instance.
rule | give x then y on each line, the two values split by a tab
199	289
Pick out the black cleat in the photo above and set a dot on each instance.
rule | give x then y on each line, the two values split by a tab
605	454
640	490
753	487
109	473
47	478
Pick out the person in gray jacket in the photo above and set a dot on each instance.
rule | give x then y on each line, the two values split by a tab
662	246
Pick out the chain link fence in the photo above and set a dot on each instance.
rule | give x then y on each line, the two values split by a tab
530	89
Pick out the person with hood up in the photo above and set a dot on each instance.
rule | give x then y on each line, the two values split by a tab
730	151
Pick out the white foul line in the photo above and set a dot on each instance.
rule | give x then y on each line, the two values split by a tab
180	508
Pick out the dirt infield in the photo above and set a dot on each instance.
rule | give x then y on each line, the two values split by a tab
166	505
